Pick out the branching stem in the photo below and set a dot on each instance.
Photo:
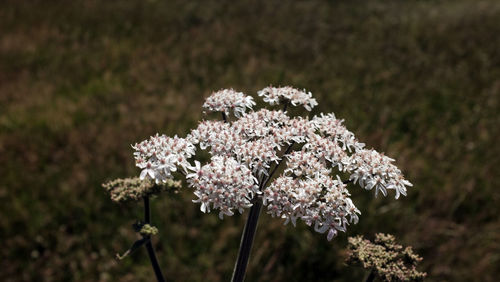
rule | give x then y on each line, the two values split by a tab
276	167
251	227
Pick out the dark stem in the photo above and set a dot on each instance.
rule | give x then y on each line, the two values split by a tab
149	246
224	117
276	167
246	243
371	276
286	105
250	229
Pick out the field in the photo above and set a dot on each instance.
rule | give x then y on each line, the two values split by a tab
82	80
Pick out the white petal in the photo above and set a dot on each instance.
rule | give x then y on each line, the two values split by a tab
144	172
331	234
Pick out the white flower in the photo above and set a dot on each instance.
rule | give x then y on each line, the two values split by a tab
298	130
322	202
374	170
273	95
328	150
305	165
215	135
245	150
159	156
226	100
333	128
257	155
260	123
223	184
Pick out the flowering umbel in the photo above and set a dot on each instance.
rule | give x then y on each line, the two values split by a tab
249	148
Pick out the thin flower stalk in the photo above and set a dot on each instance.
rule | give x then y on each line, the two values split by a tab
149	245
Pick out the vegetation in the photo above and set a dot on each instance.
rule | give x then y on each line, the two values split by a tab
82	80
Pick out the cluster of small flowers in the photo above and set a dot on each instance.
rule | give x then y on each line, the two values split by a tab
257	155
274	125
273	96
226	100
306	191
299	130
134	189
374	170
223	184
388	260
260	123
322	202
326	149
331	211
148	230
304	164
216	135
243	151
332	127
159	156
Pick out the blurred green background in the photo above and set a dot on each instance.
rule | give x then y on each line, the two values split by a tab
82	80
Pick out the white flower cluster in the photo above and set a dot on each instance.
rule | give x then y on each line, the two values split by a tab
223	184
245	151
326	149
374	170
321	202
226	100
257	155
304	164
332	127
306	191
216	135
274	95
298	130
260	123
159	156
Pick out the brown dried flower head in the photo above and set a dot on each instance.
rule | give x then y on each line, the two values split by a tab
134	189
387	259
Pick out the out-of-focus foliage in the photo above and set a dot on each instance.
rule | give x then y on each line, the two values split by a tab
82	80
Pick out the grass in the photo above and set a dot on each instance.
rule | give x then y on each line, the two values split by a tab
81	81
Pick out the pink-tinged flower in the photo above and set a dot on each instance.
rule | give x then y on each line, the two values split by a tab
260	123
304	165
228	100
297	130
245	150
374	170
159	156
274	95
216	135
223	184
322	202
333	128
327	150
257	154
